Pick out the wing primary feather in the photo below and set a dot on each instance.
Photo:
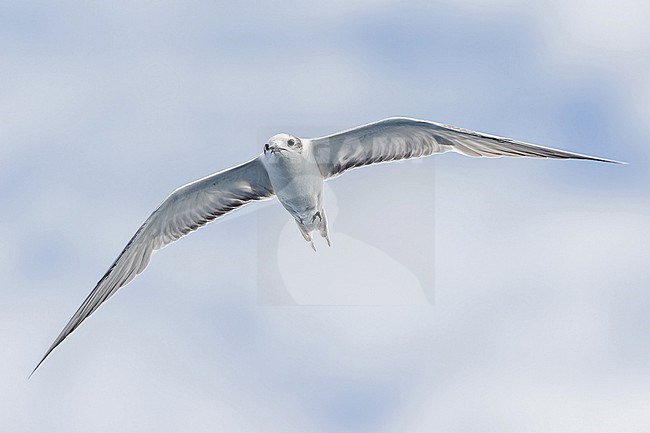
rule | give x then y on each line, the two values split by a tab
186	209
403	138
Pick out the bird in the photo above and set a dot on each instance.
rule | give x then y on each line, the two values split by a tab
293	169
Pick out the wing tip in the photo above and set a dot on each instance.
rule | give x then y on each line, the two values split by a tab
54	345
574	155
613	161
40	362
599	159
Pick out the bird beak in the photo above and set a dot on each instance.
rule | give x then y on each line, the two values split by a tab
273	149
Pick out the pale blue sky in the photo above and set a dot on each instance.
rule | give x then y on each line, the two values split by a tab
489	295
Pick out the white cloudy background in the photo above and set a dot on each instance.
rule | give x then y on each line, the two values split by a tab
460	294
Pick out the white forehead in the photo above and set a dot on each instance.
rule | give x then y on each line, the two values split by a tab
280	138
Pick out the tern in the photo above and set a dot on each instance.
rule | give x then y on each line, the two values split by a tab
293	169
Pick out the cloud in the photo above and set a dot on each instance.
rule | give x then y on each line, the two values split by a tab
536	272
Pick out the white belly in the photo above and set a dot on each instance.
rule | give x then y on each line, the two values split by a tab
297	183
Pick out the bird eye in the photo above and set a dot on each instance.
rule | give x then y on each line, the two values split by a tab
266	146
291	142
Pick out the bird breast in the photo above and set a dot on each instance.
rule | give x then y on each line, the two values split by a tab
297	182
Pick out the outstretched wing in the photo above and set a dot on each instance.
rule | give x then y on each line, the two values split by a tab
402	138
186	209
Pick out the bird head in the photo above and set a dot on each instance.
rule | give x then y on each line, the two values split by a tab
283	144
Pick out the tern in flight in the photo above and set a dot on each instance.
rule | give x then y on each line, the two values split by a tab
293	169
